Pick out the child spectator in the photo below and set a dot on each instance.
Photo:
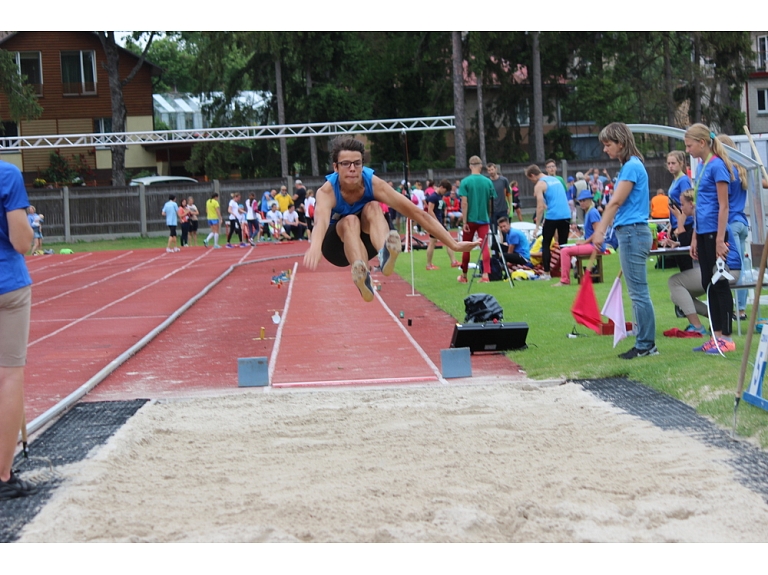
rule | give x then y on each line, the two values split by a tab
234	221
171	213
36	222
436	208
581	247
183	213
516	199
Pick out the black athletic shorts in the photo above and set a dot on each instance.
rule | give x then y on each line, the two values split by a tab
333	247
192	225
172	229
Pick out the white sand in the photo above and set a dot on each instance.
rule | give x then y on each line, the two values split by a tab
502	462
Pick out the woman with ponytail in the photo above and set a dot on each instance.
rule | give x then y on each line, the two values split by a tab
680	183
628	211
737	219
713	176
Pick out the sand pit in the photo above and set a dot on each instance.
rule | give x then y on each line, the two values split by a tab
480	463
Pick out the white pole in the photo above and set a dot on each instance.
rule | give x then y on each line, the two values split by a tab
410	249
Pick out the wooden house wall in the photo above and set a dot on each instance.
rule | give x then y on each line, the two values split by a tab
137	93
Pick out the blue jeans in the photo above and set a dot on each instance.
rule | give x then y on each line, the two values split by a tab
634	248
740	231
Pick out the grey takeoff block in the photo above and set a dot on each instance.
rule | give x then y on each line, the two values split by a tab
252	372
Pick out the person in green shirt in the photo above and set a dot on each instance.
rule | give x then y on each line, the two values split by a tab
477	194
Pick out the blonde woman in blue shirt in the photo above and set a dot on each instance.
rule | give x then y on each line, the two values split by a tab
708	244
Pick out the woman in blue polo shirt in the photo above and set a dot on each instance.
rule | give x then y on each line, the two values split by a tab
713	176
628	211
15	305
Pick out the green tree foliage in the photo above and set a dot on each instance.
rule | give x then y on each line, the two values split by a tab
175	53
22	101
593	77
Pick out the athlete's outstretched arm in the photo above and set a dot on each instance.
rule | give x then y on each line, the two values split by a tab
325	201
384	193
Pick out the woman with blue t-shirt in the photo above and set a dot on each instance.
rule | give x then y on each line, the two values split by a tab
713	176
628	211
15	306
737	219
680	183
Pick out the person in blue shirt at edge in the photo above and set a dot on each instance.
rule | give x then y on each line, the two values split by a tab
550	197
516	248
737	220
708	244
15	305
583	247
685	286
628	212
680	183
350	227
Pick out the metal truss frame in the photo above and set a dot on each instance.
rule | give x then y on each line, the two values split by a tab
227	134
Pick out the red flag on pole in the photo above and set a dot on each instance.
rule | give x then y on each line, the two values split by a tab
584	309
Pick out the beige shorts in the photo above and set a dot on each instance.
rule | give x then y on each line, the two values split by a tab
15	310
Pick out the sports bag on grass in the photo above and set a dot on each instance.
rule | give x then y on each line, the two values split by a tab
481	308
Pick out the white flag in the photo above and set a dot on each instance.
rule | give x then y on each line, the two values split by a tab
614	310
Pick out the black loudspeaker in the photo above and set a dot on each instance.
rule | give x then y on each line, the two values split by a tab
490	336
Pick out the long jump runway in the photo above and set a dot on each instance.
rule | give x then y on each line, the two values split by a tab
88	309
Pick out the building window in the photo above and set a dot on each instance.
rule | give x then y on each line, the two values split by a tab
78	72
762	53
522	113
102	125
762	101
29	65
9	129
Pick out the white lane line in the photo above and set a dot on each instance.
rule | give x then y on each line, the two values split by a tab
86	286
62	262
279	335
77	271
110	318
130	295
415	344
380	381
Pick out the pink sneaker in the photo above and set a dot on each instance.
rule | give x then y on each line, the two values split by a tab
462	279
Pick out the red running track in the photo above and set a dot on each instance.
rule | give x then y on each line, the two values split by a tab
88	309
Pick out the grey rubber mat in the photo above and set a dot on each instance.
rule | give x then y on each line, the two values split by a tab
750	462
70	439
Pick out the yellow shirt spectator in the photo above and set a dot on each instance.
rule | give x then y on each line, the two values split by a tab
212	209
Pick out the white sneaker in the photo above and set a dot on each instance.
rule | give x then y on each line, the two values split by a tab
169	250
545	277
176	249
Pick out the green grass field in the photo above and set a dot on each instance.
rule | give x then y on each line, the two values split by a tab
707	383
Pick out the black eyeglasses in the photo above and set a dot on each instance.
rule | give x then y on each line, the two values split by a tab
346	163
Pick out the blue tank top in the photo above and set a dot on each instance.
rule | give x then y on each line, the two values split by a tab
342	208
556	200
